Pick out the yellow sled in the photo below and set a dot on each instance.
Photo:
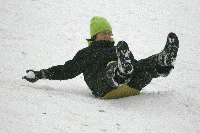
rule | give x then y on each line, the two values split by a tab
122	91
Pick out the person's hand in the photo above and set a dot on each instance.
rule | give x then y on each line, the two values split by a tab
32	76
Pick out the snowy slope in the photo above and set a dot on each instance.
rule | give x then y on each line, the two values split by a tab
36	34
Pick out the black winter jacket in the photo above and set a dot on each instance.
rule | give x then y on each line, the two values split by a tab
89	61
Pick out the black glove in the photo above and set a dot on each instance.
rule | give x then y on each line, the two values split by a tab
38	75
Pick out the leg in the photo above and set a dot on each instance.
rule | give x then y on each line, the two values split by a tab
108	80
108	88
144	71
116	73
157	65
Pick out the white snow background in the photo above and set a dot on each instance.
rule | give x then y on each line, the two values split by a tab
38	34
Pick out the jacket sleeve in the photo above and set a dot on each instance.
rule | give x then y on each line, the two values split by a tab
69	70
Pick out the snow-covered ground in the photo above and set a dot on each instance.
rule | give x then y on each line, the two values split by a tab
36	34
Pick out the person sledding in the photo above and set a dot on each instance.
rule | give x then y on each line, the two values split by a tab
111	71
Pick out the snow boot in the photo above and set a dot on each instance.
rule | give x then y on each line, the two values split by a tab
120	72
125	64
166	59
168	56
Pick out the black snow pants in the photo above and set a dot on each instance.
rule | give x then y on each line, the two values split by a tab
144	71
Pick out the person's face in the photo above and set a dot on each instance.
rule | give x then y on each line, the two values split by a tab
104	36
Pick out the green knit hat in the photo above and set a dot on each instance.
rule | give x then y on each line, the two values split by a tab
99	24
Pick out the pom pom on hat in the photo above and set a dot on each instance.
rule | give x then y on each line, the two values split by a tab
99	24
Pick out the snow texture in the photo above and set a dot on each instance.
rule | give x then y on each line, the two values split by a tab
37	34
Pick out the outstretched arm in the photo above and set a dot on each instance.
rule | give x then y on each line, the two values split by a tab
69	70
